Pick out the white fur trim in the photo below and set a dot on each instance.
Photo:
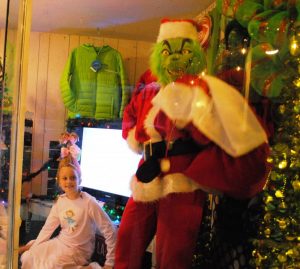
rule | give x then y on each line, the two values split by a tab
149	125
181	101
177	29
161	187
133	144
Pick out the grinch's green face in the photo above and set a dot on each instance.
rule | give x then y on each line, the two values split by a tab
173	58
176	57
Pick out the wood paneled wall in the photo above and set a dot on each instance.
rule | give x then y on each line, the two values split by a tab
47	57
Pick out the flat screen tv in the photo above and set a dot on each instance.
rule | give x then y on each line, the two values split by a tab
107	163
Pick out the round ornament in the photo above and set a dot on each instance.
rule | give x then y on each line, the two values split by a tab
267	232
282	224
165	165
282	258
296	185
279	194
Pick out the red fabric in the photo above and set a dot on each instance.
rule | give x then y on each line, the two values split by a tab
240	178
169	220
146	78
175	218
193	80
212	167
136	111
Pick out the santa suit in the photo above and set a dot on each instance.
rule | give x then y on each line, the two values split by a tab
170	206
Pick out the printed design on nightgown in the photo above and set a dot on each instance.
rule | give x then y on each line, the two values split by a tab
69	214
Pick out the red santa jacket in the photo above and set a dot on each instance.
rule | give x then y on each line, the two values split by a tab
211	169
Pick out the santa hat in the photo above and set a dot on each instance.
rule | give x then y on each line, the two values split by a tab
177	29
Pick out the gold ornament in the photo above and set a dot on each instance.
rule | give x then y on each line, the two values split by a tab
290	238
295	44
282	258
254	252
297	82
279	194
269	199
282	205
282	224
267	232
165	165
296	185
267	217
258	257
282	164
281	109
290	253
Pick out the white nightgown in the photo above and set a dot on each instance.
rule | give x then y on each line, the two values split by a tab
72	248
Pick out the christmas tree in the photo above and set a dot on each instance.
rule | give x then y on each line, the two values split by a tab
278	243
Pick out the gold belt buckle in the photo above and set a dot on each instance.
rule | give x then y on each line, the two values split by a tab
149	142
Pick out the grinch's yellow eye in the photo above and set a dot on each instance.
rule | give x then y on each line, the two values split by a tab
186	51
165	52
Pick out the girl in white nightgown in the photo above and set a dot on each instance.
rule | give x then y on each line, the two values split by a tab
79	215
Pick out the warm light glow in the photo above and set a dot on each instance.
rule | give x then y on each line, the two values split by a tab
243	50
271	52
294	45
297	82
200	104
282	164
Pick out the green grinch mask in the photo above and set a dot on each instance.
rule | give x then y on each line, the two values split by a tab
172	58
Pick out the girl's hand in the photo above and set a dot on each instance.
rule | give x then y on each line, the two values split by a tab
26	247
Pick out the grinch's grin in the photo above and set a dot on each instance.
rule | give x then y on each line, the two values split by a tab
177	73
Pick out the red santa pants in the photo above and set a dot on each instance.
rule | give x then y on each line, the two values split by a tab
175	220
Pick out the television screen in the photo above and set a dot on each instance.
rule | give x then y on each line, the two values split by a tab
107	163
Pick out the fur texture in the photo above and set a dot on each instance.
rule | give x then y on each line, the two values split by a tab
161	187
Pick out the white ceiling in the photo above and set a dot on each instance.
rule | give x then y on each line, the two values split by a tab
131	19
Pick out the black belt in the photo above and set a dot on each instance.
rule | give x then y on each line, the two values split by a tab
180	146
155	151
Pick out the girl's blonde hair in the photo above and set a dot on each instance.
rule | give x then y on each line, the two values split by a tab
69	161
